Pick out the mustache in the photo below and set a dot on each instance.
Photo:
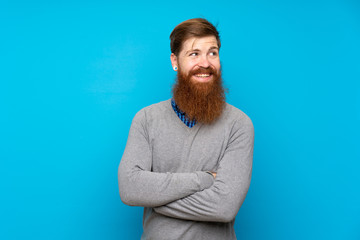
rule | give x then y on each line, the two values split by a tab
202	70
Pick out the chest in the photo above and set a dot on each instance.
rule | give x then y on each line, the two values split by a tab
196	149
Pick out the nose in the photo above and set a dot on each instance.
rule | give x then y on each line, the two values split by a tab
204	62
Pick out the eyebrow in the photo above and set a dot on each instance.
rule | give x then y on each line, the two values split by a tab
192	50
198	50
214	48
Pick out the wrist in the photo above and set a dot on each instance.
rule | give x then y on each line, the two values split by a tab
211	173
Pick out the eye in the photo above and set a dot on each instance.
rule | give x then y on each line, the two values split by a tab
213	53
193	54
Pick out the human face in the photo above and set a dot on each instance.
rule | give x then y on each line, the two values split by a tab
199	57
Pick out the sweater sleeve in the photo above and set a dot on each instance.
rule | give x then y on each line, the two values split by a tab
139	186
222	201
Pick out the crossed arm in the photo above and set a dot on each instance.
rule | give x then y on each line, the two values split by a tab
222	201
190	196
139	186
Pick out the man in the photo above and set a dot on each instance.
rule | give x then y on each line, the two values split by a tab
188	160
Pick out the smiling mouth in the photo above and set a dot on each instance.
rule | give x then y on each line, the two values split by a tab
203	75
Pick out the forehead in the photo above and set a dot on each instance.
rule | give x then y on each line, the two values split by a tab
202	43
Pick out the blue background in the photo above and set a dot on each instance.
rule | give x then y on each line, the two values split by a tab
73	75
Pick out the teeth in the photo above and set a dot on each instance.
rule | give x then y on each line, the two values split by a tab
202	75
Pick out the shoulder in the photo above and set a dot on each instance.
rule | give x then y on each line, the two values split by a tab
153	111
233	113
237	119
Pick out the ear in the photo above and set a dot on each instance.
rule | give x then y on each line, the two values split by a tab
174	62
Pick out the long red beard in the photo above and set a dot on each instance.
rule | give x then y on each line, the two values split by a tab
203	102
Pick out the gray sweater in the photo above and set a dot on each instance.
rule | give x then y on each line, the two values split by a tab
164	166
